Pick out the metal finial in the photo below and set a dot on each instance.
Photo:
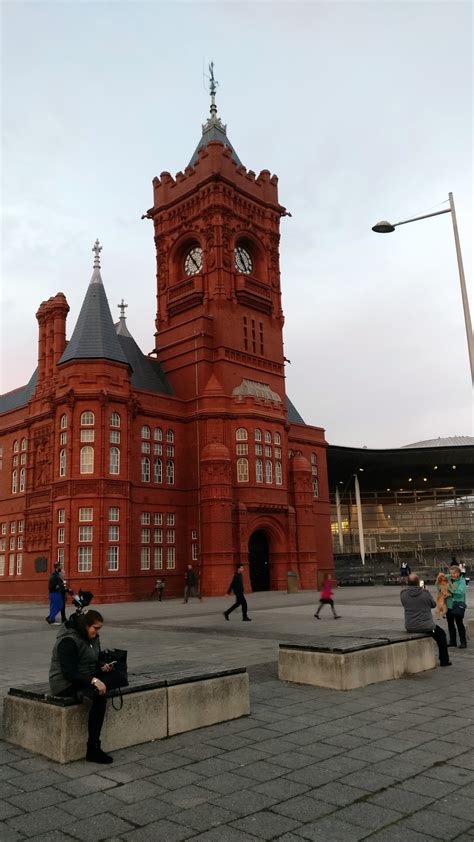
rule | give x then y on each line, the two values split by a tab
213	83
122	307
97	248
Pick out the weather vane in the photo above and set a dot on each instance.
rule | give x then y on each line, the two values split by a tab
213	84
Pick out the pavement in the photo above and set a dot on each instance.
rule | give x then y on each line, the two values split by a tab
392	762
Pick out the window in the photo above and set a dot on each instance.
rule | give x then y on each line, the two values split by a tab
3	544
242	470
4	529
87	435
170	472
157	470
277	452
170	536
145	432
194	535
145	536
260	334
170	520
13	527
254	343
158	434
12	543
194	552
22	480
63	422
60	555
258	470
11	564
114	533
278	473
2	565
314	475
258	435
170	436
158	518
19	564
145	518
21	525
245	327
268	471
87	419
61	535
145	470
23	459
113	558
276	438
170	558
114	460
170	449
19	542
158	558
145	446
85	533
15	446
158	536
268	437
114	437
115	419
145	558
258	449
114	513
23	444
14	481
63	439
84	559
268	450
86	514
158	449
62	462
241	434
242	449
87	460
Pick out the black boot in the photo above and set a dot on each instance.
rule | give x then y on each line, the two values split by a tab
96	755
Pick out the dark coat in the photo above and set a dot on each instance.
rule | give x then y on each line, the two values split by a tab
237	585
418	603
191	578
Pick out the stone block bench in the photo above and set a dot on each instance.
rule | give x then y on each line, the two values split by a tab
344	663
154	706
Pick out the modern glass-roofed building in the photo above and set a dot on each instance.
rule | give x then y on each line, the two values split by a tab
416	503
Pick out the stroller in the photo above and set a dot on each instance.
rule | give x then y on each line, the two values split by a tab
81	600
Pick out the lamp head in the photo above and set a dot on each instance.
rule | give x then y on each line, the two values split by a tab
383	227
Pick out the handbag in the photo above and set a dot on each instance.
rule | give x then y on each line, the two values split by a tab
458	609
117	677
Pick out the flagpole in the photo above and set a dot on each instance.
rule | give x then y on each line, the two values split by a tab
359	519
339	520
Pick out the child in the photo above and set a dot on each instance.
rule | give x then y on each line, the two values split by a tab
443	593
326	597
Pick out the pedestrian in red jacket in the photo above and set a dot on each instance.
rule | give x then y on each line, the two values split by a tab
326	597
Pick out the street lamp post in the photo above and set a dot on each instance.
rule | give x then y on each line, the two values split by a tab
385	227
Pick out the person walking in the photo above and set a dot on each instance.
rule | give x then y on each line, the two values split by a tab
326	597
456	603
55	583
74	672
63	590
404	571
417	603
237	588
191	587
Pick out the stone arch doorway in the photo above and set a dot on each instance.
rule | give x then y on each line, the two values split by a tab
259	561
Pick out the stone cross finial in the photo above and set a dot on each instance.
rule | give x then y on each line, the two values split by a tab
122	306
97	248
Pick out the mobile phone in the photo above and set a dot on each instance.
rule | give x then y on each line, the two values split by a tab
110	664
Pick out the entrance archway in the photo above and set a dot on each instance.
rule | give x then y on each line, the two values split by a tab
259	561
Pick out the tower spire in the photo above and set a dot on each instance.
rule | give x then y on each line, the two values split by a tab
213	84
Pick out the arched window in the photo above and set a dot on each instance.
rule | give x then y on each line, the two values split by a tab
258	470
15	446
62	462
14	481
170	436
22	480
87	419
114	460
314	475
158	434
23	444
258	435
87	460
63	422
268	471
241	434
145	432
145	472
268	437
278	474
115	419
158	471
242	470
277	438
170	472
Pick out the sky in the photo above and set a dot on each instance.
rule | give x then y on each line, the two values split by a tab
362	109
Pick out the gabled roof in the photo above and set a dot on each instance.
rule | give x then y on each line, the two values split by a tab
146	373
19	397
94	336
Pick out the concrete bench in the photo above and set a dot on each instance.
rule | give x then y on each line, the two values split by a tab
154	706
344	663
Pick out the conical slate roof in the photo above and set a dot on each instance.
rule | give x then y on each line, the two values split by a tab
214	129
94	335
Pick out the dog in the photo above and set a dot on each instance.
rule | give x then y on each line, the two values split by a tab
443	593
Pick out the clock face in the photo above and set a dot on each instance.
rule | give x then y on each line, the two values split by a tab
243	261
193	261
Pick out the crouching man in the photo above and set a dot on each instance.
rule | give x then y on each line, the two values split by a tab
418	603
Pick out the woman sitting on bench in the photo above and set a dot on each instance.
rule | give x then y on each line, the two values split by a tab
73	672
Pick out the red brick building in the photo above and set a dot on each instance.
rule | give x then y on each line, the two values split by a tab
127	467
